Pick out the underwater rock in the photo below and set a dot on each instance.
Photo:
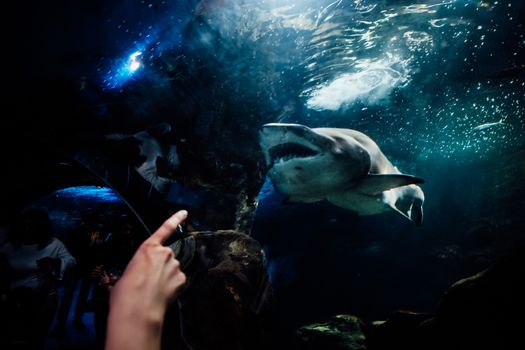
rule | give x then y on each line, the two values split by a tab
224	304
342	332
479	312
401	328
245	214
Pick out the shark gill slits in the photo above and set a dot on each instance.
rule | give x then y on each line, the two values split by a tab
290	150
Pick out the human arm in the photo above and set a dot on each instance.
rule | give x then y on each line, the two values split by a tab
139	299
58	261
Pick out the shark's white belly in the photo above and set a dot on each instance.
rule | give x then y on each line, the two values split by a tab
362	204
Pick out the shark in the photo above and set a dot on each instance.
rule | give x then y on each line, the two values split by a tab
343	166
155	159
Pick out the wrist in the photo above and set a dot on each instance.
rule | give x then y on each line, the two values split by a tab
133	328
146	316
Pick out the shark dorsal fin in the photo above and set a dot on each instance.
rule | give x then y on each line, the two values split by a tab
374	184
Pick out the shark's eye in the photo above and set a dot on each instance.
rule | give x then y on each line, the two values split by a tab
291	150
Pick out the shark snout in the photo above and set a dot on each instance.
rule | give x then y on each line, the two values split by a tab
282	142
282	127
291	130
277	133
274	134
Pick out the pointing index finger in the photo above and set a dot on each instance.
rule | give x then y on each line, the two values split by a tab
168	227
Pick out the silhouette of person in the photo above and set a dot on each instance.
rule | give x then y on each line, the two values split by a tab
86	242
34	262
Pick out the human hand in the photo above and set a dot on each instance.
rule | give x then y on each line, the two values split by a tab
108	279
149	283
97	271
105	279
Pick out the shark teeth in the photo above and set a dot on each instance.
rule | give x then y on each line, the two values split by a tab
282	160
287	151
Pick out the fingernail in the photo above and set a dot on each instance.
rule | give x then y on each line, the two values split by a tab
182	213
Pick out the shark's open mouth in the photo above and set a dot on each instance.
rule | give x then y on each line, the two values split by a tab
287	151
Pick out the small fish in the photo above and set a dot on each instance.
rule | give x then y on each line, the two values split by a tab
487	125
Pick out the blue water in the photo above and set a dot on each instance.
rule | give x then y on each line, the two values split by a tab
416	76
68	205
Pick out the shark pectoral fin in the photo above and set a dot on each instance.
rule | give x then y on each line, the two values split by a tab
374	184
